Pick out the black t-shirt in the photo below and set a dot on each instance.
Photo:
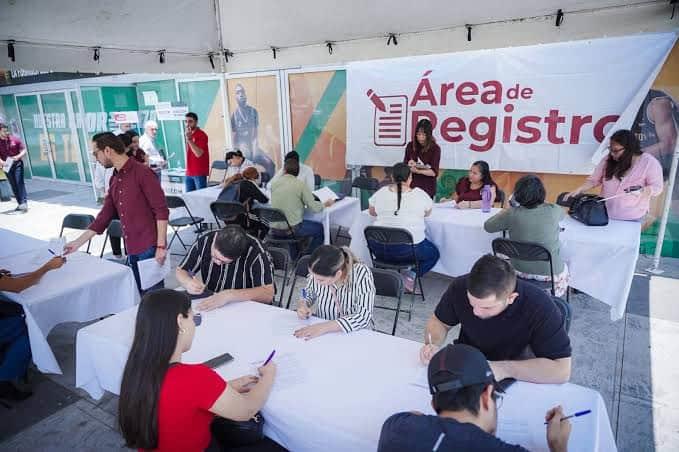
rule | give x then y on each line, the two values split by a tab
532	320
409	432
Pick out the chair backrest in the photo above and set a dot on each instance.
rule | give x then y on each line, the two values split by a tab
217	170
345	187
565	310
264	177
388	283
219	165
523	251
226	210
269	215
77	221
302	267
115	229
317	181
280	258
369	184
500	197
174	202
388	236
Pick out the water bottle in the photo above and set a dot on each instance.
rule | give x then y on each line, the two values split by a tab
486	194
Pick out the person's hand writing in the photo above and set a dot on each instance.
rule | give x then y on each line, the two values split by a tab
268	370
303	311
161	254
558	431
212	302
312	331
427	352
195	286
243	384
55	262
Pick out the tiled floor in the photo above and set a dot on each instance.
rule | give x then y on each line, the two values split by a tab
630	362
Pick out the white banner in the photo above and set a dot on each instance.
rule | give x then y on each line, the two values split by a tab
543	108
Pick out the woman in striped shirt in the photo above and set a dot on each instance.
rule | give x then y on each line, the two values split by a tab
339	289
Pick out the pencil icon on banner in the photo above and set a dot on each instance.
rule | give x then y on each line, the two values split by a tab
391	113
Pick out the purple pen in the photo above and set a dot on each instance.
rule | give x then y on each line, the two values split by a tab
269	358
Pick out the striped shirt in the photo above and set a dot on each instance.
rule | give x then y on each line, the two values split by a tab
253	269
350	303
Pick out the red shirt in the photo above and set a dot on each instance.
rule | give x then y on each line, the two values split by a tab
464	190
431	158
10	147
136	196
198	166
186	396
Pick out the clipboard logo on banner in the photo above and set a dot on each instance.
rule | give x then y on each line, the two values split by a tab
391	116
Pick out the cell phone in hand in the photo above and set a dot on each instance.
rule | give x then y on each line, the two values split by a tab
633	188
218	361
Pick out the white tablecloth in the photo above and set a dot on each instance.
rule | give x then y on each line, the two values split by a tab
15	243
84	288
601	259
345	386
342	213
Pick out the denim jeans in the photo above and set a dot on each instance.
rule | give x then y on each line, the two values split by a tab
426	252
132	260
306	228
17	349
192	183
16	180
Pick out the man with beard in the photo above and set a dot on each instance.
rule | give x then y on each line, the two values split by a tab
136	197
244	130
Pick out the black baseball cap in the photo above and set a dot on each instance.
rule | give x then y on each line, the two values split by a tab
458	366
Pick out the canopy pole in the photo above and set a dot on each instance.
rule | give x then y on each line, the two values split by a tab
220	37
655	268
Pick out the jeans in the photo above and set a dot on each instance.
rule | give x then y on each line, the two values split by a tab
16	180
426	252
195	182
132	260
17	350
306	228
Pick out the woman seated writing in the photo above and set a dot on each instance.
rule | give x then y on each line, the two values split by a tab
167	405
242	188
399	205
626	169
467	193
339	289
533	220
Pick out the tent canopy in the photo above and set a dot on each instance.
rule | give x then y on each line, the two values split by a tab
60	35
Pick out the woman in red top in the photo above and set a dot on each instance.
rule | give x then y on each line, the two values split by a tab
423	156
131	140
166	405
467	193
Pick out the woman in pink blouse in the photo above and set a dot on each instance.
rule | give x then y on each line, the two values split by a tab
625	167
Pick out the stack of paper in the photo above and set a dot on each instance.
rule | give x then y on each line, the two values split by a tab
325	194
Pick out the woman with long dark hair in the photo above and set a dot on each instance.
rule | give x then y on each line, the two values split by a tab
467	193
620	173
167	405
339	289
400	205
422	157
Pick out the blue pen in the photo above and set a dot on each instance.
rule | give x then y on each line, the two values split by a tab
578	414
269	358
53	253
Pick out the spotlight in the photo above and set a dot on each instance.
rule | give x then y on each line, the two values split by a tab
161	56
329	45
274	50
10	50
559	18
227	54
469	32
96	55
212	60
392	38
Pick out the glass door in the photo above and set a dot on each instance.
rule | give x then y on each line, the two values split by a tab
64	145
37	143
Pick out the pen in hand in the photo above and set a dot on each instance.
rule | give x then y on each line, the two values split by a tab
578	414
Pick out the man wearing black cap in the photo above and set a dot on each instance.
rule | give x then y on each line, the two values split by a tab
464	397
515	324
306	174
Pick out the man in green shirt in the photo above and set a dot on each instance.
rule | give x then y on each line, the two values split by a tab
292	196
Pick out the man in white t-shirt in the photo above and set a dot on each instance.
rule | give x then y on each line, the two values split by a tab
400	206
306	174
147	144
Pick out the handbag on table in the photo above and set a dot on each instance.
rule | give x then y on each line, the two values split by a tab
587	209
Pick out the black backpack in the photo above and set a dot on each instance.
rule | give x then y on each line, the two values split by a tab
587	209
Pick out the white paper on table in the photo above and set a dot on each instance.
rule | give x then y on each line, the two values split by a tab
421	377
151	273
287	327
325	194
447	204
520	432
8	164
289	371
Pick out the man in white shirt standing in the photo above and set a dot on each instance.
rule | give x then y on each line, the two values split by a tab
306	174
147	143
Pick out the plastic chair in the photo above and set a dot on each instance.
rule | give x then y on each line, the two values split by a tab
114	230
77	221
229	212
177	202
388	283
218	165
281	262
301	269
268	216
317	181
379	239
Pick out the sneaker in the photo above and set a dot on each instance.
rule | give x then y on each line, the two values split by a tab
23	207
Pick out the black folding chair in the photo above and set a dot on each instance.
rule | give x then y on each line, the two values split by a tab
379	239
177	202
528	252
368	184
281	263
79	221
217	165
264	178
565	309
388	283
317	181
114	231
282	233
228	212
301	269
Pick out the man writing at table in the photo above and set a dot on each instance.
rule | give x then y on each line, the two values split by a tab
136	197
233	265
465	398
515	324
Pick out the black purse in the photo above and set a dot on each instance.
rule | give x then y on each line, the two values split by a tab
230	433
587	209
